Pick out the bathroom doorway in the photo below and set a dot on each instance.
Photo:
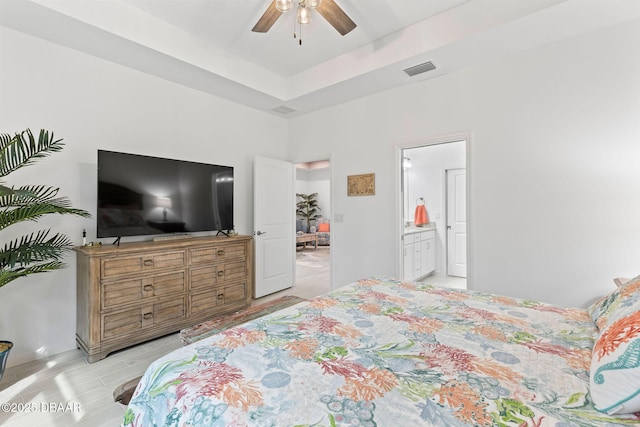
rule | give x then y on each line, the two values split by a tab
434	179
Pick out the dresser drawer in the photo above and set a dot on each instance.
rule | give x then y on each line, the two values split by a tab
121	323
169	310
115	293
233	271
128	265
222	295
234	293
117	324
217	253
204	277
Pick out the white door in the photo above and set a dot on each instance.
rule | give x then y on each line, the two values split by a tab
457	222
273	225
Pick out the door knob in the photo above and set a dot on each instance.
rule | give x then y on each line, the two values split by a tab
259	233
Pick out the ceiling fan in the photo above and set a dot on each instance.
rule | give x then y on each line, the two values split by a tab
327	8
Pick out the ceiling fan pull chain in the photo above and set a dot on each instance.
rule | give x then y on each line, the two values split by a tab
294	26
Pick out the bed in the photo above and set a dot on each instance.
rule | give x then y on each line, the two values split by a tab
384	352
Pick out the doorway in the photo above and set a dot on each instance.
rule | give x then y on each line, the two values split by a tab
434	175
313	232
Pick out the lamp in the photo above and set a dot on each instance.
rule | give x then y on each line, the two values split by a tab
164	203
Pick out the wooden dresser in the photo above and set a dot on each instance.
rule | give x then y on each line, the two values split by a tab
134	292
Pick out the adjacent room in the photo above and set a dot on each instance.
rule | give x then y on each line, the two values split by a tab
313	227
429	209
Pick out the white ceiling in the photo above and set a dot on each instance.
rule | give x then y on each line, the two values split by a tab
226	25
208	44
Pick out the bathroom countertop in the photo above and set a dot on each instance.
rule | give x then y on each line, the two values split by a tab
414	229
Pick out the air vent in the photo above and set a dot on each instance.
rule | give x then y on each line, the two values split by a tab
283	109
420	68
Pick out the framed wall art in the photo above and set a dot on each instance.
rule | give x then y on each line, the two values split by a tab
361	185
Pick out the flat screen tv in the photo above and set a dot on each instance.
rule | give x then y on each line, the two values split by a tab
143	195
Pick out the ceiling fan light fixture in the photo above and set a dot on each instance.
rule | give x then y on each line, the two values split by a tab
328	9
304	15
284	5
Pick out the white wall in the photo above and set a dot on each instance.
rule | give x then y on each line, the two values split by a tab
555	212
92	104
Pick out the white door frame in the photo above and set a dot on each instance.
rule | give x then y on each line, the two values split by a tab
332	202
441	139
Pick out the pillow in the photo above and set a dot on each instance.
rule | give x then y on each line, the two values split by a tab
323	227
601	309
615	363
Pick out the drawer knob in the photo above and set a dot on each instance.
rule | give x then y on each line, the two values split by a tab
220	273
220	296
148	287
220	252
147	316
148	262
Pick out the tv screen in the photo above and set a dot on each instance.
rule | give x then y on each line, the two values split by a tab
143	195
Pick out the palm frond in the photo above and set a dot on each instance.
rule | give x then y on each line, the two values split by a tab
29	203
7	276
33	248
36	252
5	190
22	149
27	194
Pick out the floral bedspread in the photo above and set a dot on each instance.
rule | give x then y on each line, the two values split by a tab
382	352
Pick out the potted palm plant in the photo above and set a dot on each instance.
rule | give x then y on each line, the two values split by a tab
39	251
307	208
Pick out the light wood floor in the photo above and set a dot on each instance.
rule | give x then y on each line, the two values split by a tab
67	379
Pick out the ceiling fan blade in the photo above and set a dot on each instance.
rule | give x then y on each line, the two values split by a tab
267	20
336	16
